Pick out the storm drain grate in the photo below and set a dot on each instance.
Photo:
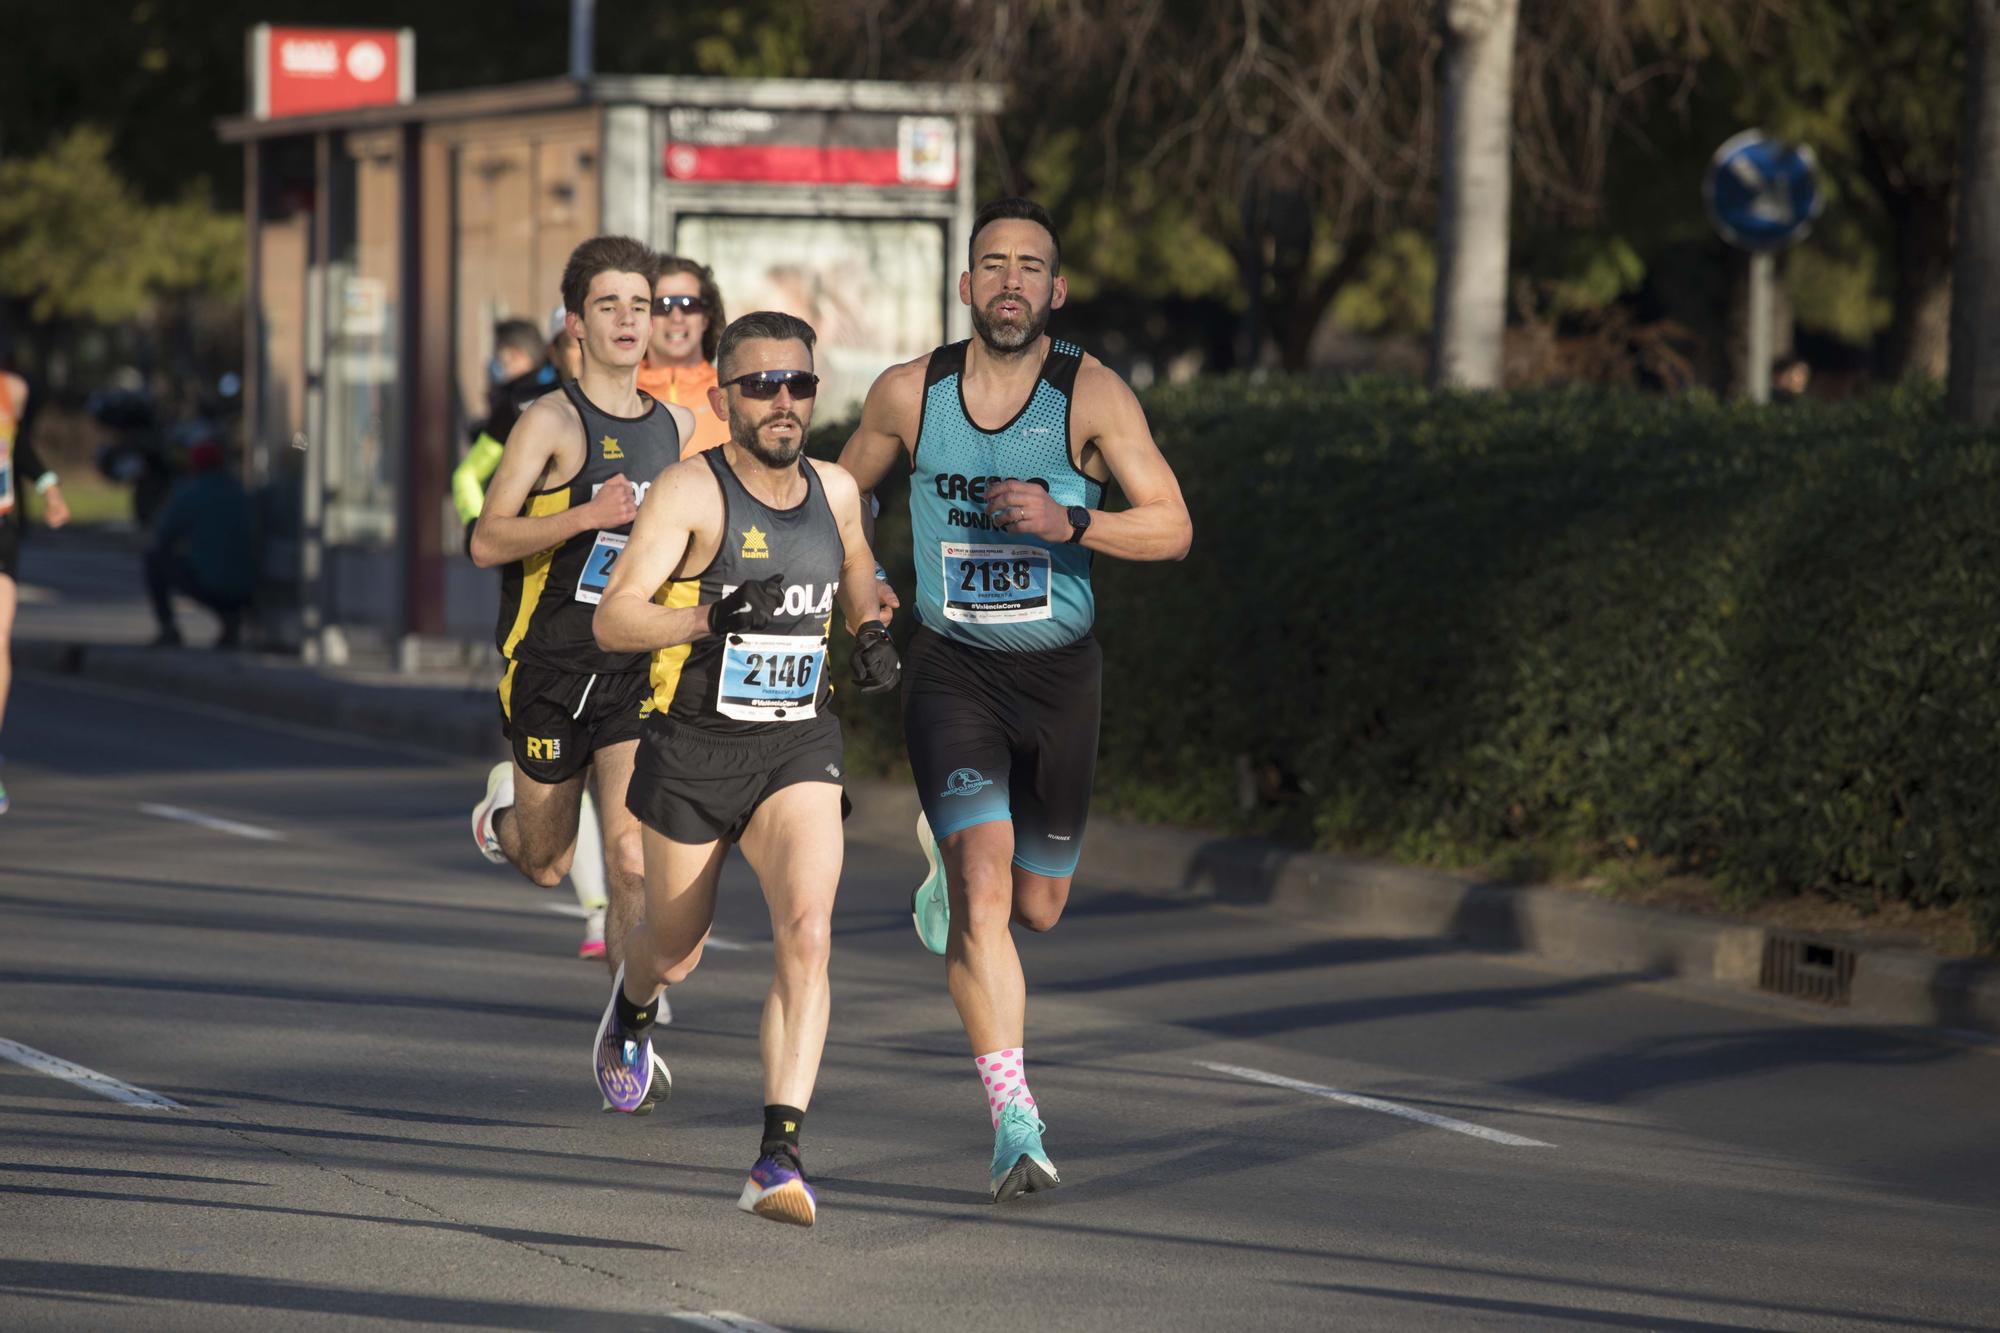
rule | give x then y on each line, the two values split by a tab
1807	969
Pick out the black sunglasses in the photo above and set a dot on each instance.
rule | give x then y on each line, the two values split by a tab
762	384
666	305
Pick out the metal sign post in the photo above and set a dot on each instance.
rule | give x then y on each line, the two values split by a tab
1762	194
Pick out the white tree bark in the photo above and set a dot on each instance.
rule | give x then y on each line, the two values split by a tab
1475	162
1973	390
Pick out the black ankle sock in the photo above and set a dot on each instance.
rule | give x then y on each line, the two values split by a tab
781	1129
632	1016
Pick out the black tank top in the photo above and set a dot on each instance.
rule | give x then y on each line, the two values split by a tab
764	682
548	599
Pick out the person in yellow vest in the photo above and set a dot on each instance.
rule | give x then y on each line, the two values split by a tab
20	467
680	354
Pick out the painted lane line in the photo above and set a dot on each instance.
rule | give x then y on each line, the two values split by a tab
88	1079
211	822
1377	1104
714	941
726	1321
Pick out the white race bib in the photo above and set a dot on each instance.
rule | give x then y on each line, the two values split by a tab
770	677
995	585
596	575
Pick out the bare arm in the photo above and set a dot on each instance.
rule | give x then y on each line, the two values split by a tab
887	432
503	532
858	588
682	501
1107	415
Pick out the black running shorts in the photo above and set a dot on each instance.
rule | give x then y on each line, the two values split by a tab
556	720
998	735
696	786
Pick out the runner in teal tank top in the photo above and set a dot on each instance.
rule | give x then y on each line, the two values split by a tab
1010	439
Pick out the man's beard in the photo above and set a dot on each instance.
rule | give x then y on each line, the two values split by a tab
770	455
1010	339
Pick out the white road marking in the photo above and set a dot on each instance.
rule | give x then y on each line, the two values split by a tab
211	822
567	909
88	1079
714	941
1377	1104
726	1321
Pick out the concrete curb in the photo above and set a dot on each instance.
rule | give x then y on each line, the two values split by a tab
1352	897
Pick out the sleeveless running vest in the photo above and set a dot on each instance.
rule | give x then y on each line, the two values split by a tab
742	684
547	600
976	583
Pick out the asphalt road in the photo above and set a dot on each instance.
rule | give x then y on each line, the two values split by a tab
378	1046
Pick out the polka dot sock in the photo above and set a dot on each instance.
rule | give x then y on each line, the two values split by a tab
1004	1075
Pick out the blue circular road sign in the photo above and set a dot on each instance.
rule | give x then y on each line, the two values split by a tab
1762	193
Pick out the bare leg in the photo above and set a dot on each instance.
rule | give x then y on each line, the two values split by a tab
538	831
624	852
9	597
664	944
794	844
988	895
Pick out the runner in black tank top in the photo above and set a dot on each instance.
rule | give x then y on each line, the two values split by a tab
574	471
730	581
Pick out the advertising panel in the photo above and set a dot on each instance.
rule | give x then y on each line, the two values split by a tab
303	71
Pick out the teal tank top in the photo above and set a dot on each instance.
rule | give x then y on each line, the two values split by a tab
977	584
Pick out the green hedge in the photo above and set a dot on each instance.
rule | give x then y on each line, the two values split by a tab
1759	644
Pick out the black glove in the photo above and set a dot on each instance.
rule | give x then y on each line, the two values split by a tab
749	608
876	666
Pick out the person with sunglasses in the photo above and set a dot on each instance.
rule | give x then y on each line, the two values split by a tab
574	470
730	581
1011	439
680	355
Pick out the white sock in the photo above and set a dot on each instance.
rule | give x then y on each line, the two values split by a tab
586	863
1004	1074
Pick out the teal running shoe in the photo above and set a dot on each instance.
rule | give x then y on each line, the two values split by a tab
930	905
3	799
1020	1166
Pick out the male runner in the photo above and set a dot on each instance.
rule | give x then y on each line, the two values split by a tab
523	370
1011	438
20	466
729	581
680	356
556	514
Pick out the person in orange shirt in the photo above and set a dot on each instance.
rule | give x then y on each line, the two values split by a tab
680	354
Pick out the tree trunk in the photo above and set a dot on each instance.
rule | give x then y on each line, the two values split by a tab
1475	141
1973	393
1919	337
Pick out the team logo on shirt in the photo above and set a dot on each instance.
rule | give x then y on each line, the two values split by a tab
966	782
612	453
753	545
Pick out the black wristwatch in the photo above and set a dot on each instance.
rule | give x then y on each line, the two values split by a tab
1079	522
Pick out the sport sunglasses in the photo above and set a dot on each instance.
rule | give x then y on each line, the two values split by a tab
762	384
666	305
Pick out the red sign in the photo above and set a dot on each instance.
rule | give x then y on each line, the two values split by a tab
300	71
811	147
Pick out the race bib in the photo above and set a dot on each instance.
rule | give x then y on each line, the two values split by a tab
596	576
769	677
995	585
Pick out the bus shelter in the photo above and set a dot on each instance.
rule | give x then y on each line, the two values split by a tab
386	241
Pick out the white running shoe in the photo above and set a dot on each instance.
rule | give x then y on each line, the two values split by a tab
593	935
499	793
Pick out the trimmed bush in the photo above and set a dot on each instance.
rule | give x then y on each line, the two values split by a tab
1757	643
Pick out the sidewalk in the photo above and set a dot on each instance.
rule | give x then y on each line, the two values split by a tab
83	613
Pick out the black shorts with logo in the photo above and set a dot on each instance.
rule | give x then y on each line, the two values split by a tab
998	735
697	786
556	720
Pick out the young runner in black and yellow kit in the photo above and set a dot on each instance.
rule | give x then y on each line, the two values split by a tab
557	512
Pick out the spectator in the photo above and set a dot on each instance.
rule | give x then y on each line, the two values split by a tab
1790	377
522	371
203	548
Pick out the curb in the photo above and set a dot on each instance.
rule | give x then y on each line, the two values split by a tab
1350	896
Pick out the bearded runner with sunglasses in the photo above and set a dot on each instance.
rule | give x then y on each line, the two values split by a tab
557	514
729	581
1011	439
680	355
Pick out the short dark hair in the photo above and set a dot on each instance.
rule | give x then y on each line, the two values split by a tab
1014	206
711	296
774	324
606	254
520	335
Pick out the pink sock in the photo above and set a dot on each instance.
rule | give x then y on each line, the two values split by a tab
1004	1074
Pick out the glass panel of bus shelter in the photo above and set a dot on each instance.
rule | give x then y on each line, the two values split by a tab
873	289
363	396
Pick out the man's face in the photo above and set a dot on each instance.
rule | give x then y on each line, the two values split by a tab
1012	286
773	430
612	327
676	337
